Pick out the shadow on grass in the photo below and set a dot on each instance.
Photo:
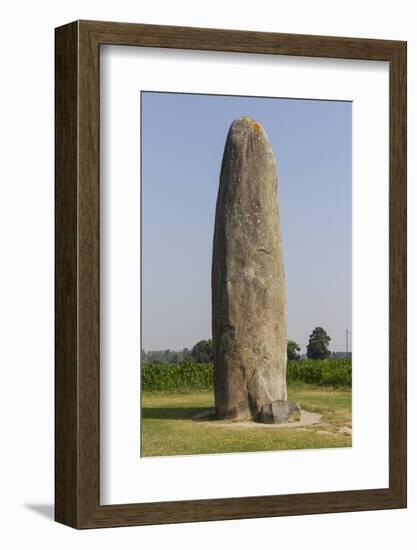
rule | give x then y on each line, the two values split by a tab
171	413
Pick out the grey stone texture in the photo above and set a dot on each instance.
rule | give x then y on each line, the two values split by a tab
277	412
249	308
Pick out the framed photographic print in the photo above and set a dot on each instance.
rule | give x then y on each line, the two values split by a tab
230	274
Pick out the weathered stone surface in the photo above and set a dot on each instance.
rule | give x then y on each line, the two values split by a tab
249	310
277	412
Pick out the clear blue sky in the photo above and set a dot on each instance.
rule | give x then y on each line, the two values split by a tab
183	137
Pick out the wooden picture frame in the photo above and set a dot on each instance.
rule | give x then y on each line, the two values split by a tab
77	372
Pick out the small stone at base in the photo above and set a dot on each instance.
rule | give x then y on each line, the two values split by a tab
209	414
277	412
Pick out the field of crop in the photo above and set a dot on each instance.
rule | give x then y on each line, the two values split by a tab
190	376
173	394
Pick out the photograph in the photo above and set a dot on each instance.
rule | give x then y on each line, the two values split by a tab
246	274
230	274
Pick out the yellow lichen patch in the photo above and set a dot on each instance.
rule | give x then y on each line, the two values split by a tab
256	126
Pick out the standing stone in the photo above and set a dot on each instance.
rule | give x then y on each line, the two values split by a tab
249	309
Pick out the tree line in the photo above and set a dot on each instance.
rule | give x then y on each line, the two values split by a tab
202	351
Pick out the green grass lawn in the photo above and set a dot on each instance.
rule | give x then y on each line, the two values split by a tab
168	428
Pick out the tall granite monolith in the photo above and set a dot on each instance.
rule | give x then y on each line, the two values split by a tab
249	308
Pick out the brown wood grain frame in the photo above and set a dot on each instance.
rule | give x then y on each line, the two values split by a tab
77	198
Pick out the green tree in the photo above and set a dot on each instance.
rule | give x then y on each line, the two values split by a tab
318	342
292	350
202	352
